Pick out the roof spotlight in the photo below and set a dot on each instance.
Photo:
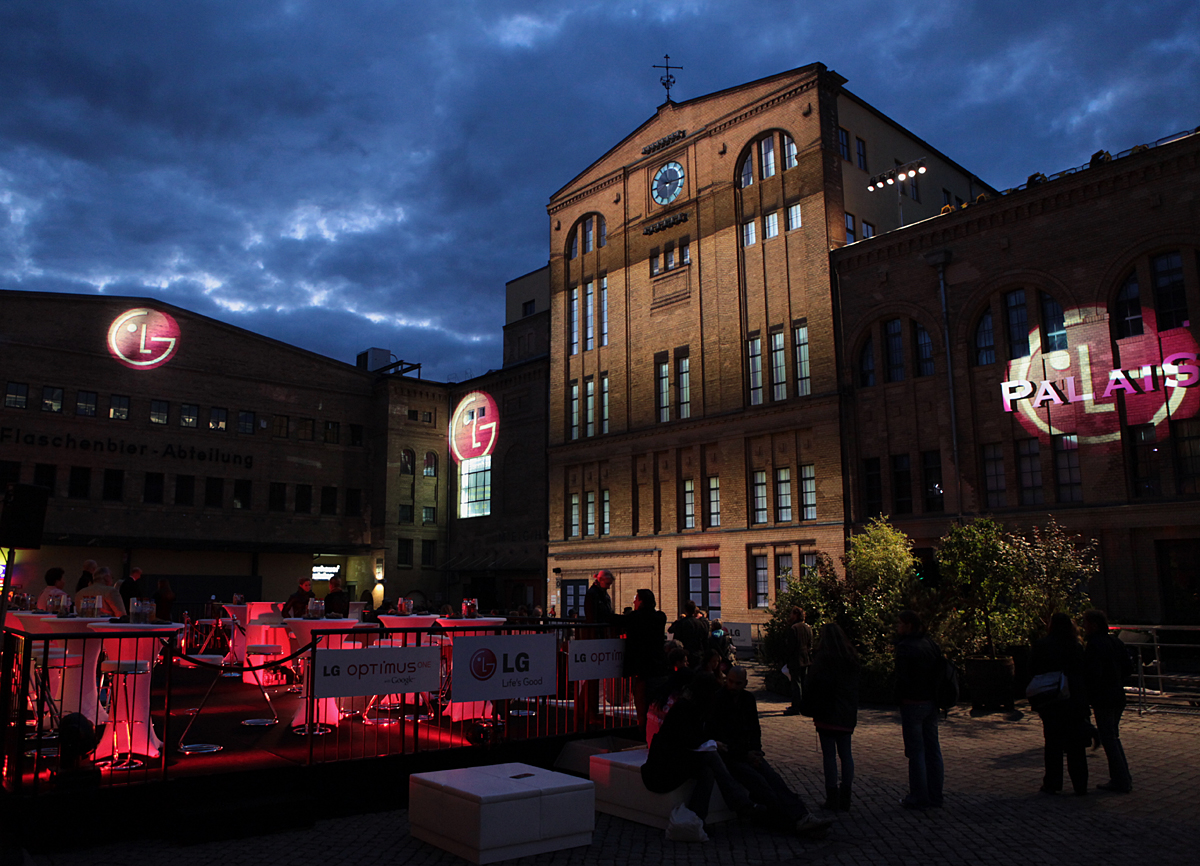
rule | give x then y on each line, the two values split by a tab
890	181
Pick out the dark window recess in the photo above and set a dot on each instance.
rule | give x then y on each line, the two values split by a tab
333	432
872	487
329	500
931	480
160	410
429	514
242	490
277	496
404	552
10	473
246	423
279	426
303	498
353	502
79	485
85	404
152	488
114	485
902	498
185	489
214	492
356	435
45	475
305	429
189	415
428	554
406	514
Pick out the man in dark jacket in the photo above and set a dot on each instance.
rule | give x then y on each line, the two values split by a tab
690	630
598	609
918	661
799	646
734	723
1106	668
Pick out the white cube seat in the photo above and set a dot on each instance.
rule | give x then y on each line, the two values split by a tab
485	814
621	792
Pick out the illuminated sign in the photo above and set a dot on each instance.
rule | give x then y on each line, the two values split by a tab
143	339
1075	391
324	572
473	427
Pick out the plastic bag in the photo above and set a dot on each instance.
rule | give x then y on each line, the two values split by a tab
685	826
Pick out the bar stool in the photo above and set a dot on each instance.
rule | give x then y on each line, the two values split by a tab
48	666
120	671
202	748
262	649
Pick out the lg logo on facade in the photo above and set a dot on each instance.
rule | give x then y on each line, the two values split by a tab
143	339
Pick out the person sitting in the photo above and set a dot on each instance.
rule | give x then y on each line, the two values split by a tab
297	603
734	722
336	600
108	599
690	629
56	578
675	754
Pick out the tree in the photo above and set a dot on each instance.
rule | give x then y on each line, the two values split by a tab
881	579
1055	571
978	586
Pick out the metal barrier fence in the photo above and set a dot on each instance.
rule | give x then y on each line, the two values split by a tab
128	705
1167	668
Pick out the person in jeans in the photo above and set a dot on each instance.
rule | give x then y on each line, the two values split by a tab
918	663
799	638
1106	668
831	698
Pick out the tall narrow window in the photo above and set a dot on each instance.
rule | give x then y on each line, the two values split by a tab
589	228
573	317
604	311
800	341
748	237
1054	324
861	151
866	364
605	513
789	153
603	242
1018	324
922	350
574	252
931	481
778	367
902	498
808	492
685	253
589	317
589	513
993	475
689	503
850	237
589	404
662	388
793	217
985	340
783	495
429	470
1170	299
1145	456
118	410
714	500
604	403
758	512
762	581
747	172
872	487
574	410
894	341
771	225
868	230
754	366
783	570
1186	436
474	487
1067	476
1029	470
766	154
1128	313
683	384
574	515
844	143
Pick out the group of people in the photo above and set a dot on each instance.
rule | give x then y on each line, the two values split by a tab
702	724
113	597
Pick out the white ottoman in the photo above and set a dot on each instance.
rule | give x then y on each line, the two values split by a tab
621	792
485	814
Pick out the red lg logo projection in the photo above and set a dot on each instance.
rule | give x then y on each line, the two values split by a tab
143	339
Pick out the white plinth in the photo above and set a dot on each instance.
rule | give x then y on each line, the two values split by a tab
621	792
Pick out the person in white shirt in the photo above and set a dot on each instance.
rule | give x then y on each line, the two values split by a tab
55	579
102	587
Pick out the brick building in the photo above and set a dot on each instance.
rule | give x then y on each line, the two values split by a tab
1033	355
695	415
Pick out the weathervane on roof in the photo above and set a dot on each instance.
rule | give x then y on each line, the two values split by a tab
668	80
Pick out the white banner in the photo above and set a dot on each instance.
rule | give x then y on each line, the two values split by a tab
595	659
494	667
741	632
344	673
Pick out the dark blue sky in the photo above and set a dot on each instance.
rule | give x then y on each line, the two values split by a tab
353	174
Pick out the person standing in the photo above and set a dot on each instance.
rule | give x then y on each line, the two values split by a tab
336	599
598	610
1065	719
831	698
799	645
89	574
1107	667
690	630
645	649
132	587
918	662
297	603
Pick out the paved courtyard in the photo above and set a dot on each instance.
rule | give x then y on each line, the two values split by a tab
993	812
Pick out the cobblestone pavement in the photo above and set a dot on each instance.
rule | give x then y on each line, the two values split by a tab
993	813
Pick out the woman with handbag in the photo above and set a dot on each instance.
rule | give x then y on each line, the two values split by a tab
1064	711
831	698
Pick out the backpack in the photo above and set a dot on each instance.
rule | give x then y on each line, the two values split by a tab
946	690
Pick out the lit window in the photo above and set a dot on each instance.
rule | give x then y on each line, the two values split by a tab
803	380
766	153
793	217
589	526
431	462
475	487
748	233
783	495
159	410
754	367
683	385
429	514
118	408
789	153
771	225
189	415
714	500
758	513
85	404
778	367
52	399
217	419
16	396
689	504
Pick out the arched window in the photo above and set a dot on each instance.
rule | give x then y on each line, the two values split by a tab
789	153
1054	324
1127	316
866	364
408	461
747	171
430	465
985	340
922	350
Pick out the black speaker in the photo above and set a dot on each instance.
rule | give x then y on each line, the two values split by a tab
23	516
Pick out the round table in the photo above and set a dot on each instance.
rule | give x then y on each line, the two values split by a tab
300	633
134	728
78	691
466	627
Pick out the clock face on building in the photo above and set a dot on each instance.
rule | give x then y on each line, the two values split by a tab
668	183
